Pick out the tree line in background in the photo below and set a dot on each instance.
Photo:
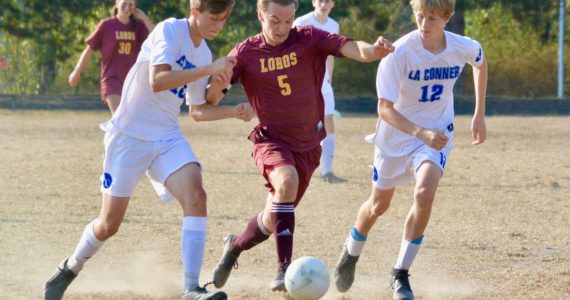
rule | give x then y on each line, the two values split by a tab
44	39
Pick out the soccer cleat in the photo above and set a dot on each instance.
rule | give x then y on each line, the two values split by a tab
331	178
226	263
344	271
200	293
278	284
401	285
58	282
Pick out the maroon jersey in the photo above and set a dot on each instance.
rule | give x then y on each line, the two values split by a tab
120	45
283	83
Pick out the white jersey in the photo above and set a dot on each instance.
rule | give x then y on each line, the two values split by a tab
151	116
329	26
420	84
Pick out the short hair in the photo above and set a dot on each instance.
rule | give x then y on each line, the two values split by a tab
444	7
213	6
263	4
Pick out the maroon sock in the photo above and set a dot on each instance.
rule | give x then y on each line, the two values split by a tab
253	234
283	219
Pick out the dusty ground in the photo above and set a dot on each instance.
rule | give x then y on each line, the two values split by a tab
500	227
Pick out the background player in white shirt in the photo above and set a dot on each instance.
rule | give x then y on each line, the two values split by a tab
415	131
319	18
144	136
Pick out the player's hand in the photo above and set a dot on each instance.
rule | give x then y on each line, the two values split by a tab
243	111
434	138
139	14
74	78
478	130
382	47
222	80
223	64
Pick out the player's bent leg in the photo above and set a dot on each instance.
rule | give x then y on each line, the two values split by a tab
285	181
185	184
113	102
370	210
95	233
427	181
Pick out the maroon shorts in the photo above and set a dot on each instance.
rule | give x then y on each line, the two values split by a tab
111	86
269	155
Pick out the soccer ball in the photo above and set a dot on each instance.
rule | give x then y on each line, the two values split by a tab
307	278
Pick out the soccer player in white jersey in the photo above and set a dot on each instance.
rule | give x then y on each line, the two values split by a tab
414	134
319	18
144	135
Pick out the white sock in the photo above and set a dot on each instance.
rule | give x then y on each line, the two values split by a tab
193	242
329	145
88	245
408	252
355	242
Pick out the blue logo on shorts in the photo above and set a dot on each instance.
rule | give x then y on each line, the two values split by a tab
107	180
375	177
478	58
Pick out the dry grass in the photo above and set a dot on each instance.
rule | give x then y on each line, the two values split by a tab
499	228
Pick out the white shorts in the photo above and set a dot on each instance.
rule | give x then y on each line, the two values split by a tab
128	158
390	171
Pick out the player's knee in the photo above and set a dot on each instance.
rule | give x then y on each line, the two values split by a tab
107	229
378	205
195	199
424	197
287	186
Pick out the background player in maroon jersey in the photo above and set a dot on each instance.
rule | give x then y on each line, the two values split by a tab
282	71
119	38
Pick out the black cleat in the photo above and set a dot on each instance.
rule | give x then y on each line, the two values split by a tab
58	282
227	262
278	284
200	293
344	271
401	285
331	178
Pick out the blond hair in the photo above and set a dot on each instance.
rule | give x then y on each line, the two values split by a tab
263	4
444	7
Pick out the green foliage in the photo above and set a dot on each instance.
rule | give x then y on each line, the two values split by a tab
22	76
519	64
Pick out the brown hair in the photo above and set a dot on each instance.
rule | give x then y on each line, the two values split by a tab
215	7
262	4
443	7
131	17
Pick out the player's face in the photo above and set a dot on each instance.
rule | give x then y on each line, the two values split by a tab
126	7
276	22
209	24
323	7
430	23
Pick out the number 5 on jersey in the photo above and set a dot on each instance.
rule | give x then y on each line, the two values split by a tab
285	87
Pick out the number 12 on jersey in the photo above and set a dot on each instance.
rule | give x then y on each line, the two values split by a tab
436	91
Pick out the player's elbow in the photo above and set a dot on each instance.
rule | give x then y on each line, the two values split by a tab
196	112
155	86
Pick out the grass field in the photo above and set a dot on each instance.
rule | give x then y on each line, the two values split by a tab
500	227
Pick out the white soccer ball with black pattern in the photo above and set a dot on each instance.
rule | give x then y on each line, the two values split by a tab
307	278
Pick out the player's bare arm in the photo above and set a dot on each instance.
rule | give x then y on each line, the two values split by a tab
432	137
364	52
162	77
84	59
210	112
218	87
140	15
478	127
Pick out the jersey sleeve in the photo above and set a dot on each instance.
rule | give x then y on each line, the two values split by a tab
196	92
388	78
95	39
329	43
238	67
165	45
475	55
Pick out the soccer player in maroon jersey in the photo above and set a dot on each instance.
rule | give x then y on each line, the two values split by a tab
119	38
282	71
